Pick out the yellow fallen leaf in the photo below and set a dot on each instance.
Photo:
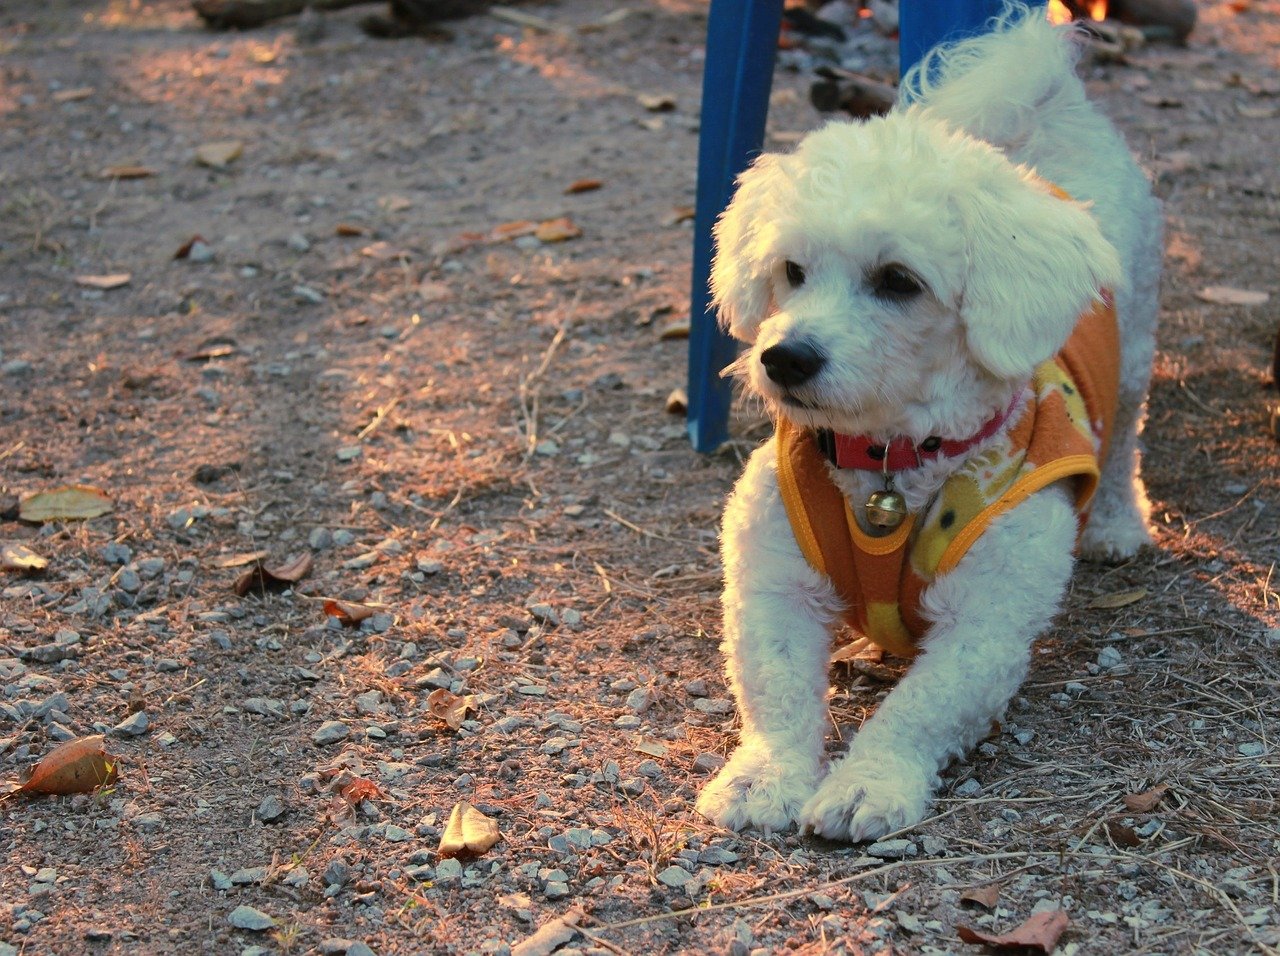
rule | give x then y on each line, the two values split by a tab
219	154
72	96
557	230
65	503
113	281
127	171
18	557
1225	295
468	831
1119	599
657	102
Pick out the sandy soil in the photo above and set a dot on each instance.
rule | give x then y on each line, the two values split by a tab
468	433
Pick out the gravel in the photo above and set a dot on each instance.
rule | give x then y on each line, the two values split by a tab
246	917
331	732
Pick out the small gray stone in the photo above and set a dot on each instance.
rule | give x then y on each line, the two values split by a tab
219	880
1254	748
708	763
246	917
299	876
674	877
556	890
115	553
298	242
970	788
713	705
271	808
933	846
628	722
148	822
1109	657
320	539
330	732
395	834
336	873
696	688
358	948
716	856
892	849
248	875
334	945
448	870
132	726
640	700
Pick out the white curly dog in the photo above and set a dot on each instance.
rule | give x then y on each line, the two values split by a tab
901	284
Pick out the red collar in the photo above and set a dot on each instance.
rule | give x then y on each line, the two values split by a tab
859	451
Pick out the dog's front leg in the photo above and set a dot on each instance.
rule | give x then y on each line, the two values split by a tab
985	615
777	613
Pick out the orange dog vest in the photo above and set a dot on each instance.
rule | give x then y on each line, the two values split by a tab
1061	430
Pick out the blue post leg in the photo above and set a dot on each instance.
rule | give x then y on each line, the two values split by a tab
923	24
742	38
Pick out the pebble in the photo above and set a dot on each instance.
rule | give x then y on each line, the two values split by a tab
132	726
335	945
219	880
1109	657
148	822
271	808
933	846
696	688
556	890
349	452
713	705
1253	748
246	917
336	873
448	870
628	722
395	834
342	537
200	251
298	242
640	700
330	732
675	877
297	877
248	875
716	856
892	849
319	539
115	553
969	788
708	763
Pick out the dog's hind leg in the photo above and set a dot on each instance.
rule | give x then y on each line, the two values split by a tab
985	616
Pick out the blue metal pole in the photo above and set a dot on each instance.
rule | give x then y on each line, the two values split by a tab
742	38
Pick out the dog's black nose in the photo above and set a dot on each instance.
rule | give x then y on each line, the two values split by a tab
792	363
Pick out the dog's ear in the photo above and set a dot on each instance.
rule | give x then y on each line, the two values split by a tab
741	289
1036	260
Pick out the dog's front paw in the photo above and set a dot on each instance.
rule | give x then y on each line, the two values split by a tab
864	799
755	789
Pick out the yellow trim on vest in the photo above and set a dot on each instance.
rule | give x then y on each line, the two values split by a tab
1072	466
793	501
878	545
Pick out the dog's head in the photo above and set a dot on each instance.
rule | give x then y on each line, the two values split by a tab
889	274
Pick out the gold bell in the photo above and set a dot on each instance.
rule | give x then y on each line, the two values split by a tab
886	509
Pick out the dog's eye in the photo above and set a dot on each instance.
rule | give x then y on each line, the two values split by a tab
895	282
795	274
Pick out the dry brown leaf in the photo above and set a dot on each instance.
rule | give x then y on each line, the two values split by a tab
512	230
1226	295
359	789
127	171
1118	599
1146	801
72	96
219	154
583	186
675	329
557	230
468	831
18	557
449	707
551	935
78	766
679	214
65	503
1040	932
239	560
985	896
351	229
348	613
105	282
184	250
651	748
657	102
385	251
263	578
1122	835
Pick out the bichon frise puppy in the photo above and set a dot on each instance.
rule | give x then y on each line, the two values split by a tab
950	313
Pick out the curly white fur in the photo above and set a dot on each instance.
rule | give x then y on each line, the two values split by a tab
953	189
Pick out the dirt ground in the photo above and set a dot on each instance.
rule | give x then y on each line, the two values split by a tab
467	432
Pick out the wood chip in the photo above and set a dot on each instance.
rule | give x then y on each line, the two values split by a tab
105	282
1225	295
